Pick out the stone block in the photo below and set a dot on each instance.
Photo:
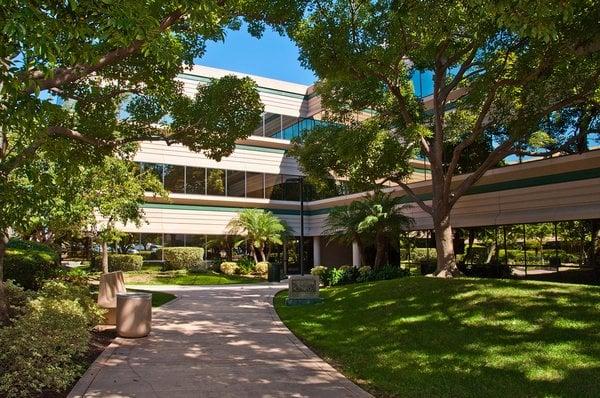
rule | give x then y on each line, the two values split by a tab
303	289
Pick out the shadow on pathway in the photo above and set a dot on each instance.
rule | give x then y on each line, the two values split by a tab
214	341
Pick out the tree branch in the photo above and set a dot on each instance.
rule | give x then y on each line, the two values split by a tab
427	209
62	76
493	158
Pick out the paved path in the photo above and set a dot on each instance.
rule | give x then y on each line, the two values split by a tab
214	342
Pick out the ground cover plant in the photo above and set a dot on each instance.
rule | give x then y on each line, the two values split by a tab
426	337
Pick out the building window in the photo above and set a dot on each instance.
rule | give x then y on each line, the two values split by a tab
292	188
195	180
215	182
255	185
174	240
174	178
195	240
236	183
152	168
274	188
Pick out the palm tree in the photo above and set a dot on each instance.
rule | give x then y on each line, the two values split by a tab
261	228
378	217
342	225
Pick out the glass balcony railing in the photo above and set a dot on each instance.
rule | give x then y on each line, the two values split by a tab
284	127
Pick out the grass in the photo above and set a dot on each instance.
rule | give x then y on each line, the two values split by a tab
428	337
158	298
152	275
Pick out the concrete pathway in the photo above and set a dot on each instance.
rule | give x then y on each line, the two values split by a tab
218	341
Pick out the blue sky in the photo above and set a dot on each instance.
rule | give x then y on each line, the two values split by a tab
271	56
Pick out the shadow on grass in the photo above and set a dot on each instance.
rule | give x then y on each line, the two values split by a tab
460	337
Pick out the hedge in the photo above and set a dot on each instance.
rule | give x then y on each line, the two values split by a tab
125	262
183	258
29	264
120	262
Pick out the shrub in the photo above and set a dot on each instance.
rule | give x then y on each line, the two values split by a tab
320	272
420	253
29	264
388	272
199	268
17	299
77	292
245	266
182	257
333	276
42	349
125	262
262	267
228	267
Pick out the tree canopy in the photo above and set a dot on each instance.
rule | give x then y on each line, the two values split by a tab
503	73
83	79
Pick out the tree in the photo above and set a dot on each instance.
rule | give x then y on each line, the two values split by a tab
377	218
261	228
342	225
80	80
115	194
500	70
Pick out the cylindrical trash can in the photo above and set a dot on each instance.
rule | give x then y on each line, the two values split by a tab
274	273
134	314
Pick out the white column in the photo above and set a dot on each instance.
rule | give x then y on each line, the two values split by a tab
355	254
316	250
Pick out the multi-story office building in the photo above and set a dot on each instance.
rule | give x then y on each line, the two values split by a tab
206	195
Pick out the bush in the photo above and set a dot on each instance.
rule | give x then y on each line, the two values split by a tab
77	292
228	267
333	276
182	257
29	264
420	253
17	299
245	266
320	272
262	267
388	272
199	268
124	262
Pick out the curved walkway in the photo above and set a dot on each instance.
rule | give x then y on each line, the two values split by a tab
214	341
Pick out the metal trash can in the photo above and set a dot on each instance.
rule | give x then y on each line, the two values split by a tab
134	314
274	274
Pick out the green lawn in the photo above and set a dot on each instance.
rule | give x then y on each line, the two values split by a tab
428	337
158	298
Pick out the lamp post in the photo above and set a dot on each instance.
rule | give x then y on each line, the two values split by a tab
301	179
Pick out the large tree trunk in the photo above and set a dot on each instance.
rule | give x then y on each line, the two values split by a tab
446	262
104	258
3	299
262	254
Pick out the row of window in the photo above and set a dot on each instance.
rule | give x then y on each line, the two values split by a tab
284	127
220	182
